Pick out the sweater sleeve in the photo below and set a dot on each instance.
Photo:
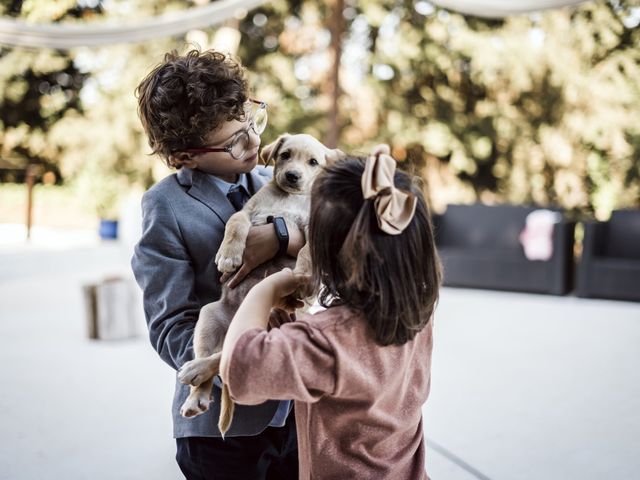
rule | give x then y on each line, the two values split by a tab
294	361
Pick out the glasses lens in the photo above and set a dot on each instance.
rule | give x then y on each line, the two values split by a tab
240	146
260	119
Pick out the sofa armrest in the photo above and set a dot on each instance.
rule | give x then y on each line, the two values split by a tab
593	241
562	260
592	246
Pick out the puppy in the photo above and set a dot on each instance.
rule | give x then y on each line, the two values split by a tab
298	160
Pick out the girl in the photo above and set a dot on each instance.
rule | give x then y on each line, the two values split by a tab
359	371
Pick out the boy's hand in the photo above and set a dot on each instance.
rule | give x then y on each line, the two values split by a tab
262	245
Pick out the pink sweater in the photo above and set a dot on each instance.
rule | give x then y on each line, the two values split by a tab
358	405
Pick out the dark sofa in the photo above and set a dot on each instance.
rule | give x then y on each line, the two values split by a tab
479	248
610	264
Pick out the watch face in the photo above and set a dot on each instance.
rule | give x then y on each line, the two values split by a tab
281	227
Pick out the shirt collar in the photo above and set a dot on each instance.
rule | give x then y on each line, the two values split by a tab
226	186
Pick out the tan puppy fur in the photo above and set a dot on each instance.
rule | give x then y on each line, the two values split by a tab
298	160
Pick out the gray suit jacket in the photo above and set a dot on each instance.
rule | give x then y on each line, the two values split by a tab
183	220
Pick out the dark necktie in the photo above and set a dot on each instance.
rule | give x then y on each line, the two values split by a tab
237	197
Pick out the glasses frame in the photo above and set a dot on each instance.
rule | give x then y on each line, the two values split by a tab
228	148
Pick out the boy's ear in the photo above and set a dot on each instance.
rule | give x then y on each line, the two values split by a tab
270	152
332	156
183	159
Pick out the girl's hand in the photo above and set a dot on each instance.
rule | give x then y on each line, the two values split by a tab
278	317
280	286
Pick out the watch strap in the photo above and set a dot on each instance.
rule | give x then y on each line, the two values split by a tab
282	233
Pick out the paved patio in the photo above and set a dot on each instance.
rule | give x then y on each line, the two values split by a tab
524	386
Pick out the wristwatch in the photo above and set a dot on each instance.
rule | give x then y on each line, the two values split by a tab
280	226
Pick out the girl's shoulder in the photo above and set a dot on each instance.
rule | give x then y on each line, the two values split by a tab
335	321
344	325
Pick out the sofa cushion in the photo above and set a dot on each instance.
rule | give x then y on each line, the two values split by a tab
622	235
476	226
495	269
613	278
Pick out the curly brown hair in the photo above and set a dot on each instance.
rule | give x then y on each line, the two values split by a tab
187	96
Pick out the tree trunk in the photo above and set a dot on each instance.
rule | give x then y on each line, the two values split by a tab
336	27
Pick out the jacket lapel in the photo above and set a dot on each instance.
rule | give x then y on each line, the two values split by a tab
200	188
256	181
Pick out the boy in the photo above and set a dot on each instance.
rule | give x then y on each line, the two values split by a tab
197	115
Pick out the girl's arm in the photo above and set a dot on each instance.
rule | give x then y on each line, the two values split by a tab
255	308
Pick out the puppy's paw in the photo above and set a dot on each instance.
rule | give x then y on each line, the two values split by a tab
305	288
229	258
196	403
199	370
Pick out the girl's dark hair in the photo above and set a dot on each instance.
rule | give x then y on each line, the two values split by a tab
185	97
393	280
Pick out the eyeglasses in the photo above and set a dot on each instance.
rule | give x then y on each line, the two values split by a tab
256	110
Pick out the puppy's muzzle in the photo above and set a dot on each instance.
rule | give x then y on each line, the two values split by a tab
293	177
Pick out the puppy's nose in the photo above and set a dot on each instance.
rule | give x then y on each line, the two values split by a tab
292	177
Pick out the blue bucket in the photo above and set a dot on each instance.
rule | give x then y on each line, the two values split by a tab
108	229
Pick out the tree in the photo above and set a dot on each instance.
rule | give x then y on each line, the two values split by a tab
531	109
75	112
539	109
39	87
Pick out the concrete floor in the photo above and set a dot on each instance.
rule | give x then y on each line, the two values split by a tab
524	386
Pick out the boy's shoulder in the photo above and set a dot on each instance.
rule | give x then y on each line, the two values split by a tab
160	196
179	181
163	187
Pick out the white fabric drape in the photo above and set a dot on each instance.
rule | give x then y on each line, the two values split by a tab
15	32
501	8
64	36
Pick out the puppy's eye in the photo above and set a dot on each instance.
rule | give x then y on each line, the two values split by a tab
313	162
286	155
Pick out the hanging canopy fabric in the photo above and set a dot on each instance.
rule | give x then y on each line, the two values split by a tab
15	32
501	8
64	36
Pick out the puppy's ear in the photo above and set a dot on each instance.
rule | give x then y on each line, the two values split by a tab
269	152
332	156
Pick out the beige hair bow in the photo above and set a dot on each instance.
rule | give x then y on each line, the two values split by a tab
394	208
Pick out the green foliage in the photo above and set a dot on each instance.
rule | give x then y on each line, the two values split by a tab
542	109
530	109
75	112
283	46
